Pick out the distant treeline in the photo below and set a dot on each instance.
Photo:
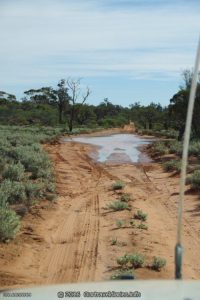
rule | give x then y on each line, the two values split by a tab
66	105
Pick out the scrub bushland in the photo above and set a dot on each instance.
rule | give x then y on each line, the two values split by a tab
26	172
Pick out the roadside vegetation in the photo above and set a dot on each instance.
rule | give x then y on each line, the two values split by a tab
129	262
194	180
26	173
172	165
169	152
44	114
118	185
118	205
140	215
158	263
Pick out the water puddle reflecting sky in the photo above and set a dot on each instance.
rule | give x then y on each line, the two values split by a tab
117	148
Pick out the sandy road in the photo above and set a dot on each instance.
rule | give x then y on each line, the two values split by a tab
70	240
74	245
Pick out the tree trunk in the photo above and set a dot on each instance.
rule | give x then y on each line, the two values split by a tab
60	114
71	121
181	133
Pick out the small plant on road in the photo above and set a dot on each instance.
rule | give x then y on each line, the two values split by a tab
136	260
114	241
118	205
125	197
123	260
118	185
140	215
132	223
142	226
119	223
158	263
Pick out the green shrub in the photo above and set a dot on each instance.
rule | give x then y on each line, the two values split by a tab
22	158
14	191
140	215
119	223
172	165
114	241
3	198
34	159
125	197
158	263
38	172
132	223
175	147
142	226
118	205
33	192
50	186
21	192
123	261
118	185
14	172
9	224
3	162
168	133
122	274
194	180
194	148
136	260
159	148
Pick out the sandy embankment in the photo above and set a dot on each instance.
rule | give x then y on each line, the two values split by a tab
70	240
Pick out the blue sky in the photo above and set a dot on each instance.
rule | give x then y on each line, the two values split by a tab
126	50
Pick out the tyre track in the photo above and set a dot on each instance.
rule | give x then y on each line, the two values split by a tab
73	249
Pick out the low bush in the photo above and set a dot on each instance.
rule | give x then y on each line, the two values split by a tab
119	223
26	171
118	185
160	133
173	134
142	226
123	260
34	159
140	215
125	197
114	241
9	224
159	148
33	192
50	186
118	205
172	165
136	260
3	198
194	180
158	263
14	191
175	147
132	223
14	172
194	148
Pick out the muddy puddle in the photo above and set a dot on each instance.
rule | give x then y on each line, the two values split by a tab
117	148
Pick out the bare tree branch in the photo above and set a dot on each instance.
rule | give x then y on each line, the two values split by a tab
74	89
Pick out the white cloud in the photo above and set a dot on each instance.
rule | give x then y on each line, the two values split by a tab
51	39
